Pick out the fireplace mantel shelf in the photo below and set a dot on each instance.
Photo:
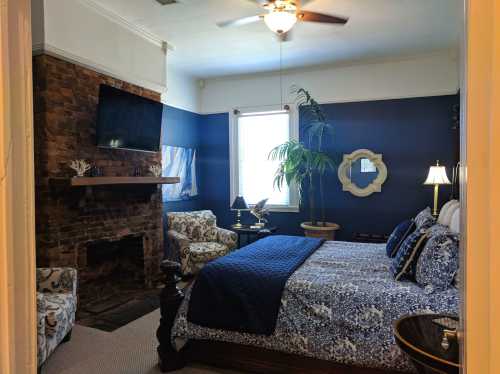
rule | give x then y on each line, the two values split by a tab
102	181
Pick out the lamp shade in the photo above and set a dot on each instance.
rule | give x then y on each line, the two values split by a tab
437	175
280	21
239	203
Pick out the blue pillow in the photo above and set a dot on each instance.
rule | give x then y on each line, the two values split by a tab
425	219
397	237
403	265
438	262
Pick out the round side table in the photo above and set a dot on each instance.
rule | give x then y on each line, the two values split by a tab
421	337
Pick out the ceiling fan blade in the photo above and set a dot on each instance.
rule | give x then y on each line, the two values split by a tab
260	2
240	21
307	16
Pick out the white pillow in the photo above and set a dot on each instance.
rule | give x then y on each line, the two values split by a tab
447	211
450	212
455	222
444	209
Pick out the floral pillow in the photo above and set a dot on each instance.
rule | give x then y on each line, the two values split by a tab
424	219
438	262
437	229
403	265
397	237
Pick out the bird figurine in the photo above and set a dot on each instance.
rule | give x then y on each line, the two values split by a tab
260	211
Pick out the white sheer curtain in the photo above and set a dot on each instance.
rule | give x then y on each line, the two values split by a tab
258	134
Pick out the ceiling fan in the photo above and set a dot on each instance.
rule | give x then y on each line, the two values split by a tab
282	15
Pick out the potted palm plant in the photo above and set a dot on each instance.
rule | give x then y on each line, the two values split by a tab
306	163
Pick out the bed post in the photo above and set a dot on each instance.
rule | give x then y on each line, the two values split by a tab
170	301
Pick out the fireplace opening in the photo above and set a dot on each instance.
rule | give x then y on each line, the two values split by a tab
113	289
122	260
113	272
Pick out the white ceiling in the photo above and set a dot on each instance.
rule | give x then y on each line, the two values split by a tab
376	29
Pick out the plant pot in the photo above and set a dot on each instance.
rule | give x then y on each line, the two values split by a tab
325	232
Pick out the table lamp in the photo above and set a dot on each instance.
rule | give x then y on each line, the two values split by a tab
437	176
239	204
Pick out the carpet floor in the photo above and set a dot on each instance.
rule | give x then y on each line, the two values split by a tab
130	349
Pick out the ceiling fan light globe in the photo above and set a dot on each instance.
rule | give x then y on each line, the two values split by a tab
280	22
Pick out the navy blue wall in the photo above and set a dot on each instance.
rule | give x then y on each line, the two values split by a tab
180	128
214	166
410	133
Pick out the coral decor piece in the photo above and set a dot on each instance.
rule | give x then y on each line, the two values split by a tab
155	170
80	167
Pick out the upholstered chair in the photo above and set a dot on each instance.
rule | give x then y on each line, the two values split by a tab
56	307
194	239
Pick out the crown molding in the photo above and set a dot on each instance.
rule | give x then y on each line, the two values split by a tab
47	49
348	99
447	53
136	29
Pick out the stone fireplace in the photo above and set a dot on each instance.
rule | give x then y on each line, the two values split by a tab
111	234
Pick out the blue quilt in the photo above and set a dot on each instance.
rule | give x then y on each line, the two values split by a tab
242	291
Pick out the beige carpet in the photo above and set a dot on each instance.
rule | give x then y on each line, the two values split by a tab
130	349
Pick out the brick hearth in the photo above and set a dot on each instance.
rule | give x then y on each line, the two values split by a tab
68	220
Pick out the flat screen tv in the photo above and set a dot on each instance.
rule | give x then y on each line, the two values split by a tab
128	121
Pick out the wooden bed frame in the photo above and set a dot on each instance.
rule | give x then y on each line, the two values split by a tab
229	355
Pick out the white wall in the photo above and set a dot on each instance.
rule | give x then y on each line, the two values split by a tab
76	30
183	90
84	33
426	75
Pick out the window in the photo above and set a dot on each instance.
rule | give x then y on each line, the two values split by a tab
254	135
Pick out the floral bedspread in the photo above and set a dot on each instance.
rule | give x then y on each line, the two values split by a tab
340	305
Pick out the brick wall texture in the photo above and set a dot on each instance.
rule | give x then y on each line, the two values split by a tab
68	219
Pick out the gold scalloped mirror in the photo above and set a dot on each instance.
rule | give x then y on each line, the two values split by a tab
362	172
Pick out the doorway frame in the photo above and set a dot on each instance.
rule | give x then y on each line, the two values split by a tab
480	152
18	313
480	144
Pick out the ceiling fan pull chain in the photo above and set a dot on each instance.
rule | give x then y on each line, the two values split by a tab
281	72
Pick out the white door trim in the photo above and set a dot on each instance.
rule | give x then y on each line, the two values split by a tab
17	205
480	182
480	171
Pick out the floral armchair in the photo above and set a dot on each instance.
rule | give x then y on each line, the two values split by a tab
195	239
56	307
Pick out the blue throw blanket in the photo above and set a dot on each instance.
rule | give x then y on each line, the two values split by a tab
242	291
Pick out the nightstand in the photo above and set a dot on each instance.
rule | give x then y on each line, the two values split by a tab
252	234
360	237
